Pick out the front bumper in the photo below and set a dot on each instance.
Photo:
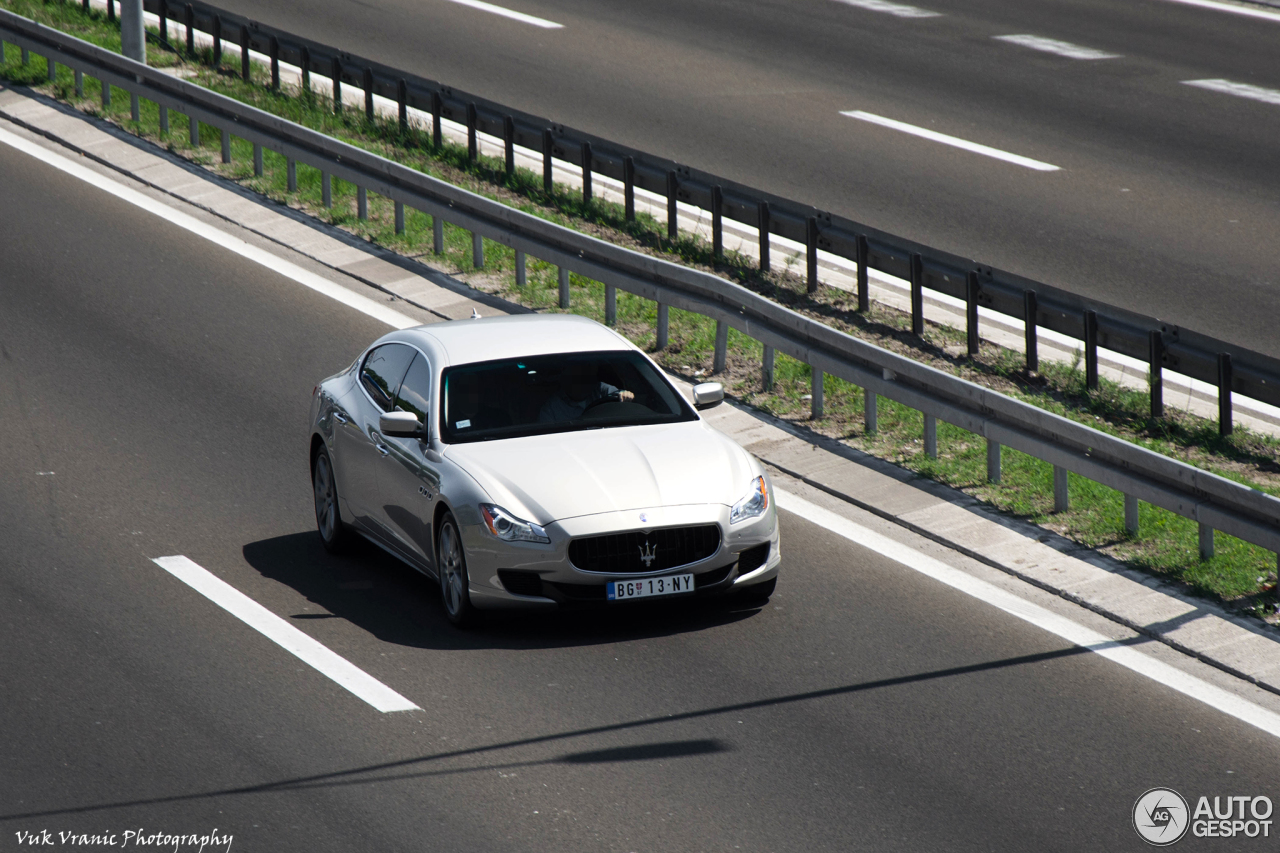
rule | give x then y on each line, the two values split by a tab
530	577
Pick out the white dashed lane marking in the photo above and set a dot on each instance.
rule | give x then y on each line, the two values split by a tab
1059	48
510	13
898	10
955	142
1240	90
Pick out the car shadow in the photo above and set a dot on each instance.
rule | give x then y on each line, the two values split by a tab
393	602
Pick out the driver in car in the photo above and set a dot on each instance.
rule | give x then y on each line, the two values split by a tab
579	388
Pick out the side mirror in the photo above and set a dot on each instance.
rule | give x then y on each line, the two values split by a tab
707	394
400	423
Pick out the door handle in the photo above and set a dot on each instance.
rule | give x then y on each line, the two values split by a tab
340	418
383	449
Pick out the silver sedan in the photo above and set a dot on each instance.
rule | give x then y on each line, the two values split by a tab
538	461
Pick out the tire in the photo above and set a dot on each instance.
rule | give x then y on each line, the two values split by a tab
451	566
334	533
758	594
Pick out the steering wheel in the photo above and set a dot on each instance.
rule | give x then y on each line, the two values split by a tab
615	397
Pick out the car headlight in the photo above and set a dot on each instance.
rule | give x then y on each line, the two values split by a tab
508	528
753	503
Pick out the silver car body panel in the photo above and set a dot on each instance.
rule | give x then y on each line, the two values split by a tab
574	484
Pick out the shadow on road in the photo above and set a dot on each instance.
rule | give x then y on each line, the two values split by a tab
396	604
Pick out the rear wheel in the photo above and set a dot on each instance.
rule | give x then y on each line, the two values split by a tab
333	532
451	563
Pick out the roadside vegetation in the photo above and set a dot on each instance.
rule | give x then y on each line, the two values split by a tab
1240	574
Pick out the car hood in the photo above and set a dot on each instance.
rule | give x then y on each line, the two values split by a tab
554	477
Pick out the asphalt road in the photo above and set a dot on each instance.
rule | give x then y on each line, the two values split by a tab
154	393
1166	198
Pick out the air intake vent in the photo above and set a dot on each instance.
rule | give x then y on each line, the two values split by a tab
520	583
752	559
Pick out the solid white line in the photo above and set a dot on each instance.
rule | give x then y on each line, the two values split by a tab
951	140
214	235
509	13
1073	632
1233	9
1061	48
253	614
1240	90
896	9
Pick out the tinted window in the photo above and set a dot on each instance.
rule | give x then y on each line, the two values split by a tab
382	371
555	393
415	390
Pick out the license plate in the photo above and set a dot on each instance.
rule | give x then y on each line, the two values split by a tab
669	585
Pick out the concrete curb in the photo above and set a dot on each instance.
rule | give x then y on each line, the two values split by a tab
1145	604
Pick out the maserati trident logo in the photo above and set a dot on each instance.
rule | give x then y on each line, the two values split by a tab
647	553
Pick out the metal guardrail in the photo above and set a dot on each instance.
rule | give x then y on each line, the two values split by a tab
1231	368
1215	502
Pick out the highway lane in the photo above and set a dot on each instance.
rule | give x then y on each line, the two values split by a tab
165	384
1167	192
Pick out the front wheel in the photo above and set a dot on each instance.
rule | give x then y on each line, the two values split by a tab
451	564
333	532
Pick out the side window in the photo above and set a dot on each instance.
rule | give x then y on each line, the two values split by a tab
382	371
415	391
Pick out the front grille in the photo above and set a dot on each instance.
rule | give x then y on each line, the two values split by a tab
520	582
626	553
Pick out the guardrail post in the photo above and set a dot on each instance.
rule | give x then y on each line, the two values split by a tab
191	28
275	64
864	287
402	105
26	56
1030	316
164	20
722	346
763	225
305	62
368	93
610	305
472	145
766	369
437	107
664	326
78	74
1155	369
1061	494
164	120
1224	393
217	40
816	407
629	188
106	93
509	144
993	461
930	436
586	172
193	131
564	287
717	223
917	294
291	174
111	10
811	245
972	342
673	220
362	203
546	160
326	189
51	71
226	145
399	217
336	75
437	234
244	53
1131	515
1206	541
477	250
870	420
1091	349
521	275
135	107
257	160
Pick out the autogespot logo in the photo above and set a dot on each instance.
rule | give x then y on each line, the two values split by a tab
1160	816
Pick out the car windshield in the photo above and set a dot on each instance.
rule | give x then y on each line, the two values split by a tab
555	393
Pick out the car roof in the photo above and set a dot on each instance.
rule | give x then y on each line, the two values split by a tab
490	338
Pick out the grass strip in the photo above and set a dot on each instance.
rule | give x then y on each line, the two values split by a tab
1165	544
